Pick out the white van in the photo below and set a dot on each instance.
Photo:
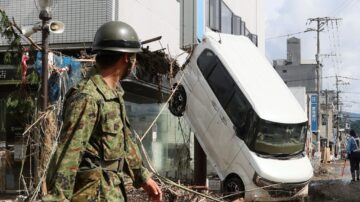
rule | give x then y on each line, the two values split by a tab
249	124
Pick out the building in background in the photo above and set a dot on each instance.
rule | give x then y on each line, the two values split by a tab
297	72
169	140
294	70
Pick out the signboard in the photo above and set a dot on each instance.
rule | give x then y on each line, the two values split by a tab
314	123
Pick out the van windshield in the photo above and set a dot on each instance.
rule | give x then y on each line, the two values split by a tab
278	139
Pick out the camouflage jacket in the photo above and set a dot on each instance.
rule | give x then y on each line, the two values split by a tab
95	124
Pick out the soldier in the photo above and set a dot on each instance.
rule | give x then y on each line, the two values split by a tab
96	146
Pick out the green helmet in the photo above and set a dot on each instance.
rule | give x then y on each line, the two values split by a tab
116	36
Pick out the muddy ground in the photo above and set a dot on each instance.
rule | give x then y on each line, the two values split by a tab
327	185
332	184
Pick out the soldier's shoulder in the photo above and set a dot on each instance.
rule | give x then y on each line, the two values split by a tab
85	87
84	91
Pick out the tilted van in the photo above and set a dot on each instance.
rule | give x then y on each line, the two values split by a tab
249	124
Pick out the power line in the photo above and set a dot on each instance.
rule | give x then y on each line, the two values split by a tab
324	77
348	92
343	6
285	35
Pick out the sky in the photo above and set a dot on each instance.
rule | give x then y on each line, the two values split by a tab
339	42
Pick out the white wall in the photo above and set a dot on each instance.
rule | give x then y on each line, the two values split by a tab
252	12
300	95
152	18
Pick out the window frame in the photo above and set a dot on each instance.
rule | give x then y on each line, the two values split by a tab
236	25
222	6
215	5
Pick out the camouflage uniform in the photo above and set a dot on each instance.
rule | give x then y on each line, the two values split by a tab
94	137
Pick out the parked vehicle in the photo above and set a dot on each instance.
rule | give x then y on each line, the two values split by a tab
249	124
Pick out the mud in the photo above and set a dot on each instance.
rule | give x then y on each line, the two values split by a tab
331	183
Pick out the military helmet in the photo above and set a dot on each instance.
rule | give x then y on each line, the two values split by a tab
116	36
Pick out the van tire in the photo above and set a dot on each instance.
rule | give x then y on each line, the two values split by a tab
177	103
232	185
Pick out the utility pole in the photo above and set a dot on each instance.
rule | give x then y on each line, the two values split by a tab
45	17
337	107
327	118
337	111
320	22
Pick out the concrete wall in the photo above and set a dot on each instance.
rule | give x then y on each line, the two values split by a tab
299	75
154	18
301	97
294	51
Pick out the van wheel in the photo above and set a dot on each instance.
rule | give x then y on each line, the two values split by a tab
234	188
178	101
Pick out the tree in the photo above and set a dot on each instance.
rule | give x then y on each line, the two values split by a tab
355	125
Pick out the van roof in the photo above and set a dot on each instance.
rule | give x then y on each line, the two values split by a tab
261	84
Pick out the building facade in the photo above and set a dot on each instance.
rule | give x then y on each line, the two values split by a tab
169	140
295	71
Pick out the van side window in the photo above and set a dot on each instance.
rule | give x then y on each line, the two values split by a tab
221	84
216	75
229	95
238	111
206	62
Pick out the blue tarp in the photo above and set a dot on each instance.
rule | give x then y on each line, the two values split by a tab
71	77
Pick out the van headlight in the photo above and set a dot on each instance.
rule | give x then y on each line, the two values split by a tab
262	182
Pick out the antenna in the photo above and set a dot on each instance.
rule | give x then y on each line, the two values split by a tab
219	37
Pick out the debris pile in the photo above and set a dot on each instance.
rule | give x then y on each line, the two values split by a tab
172	194
153	65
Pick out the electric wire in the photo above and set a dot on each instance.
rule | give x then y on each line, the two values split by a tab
285	35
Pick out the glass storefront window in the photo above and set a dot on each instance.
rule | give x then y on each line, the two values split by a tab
167	143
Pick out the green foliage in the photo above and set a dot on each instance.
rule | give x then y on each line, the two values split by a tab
19	110
15	49
33	78
356	126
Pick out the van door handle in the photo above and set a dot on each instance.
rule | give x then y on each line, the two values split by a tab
223	119
214	105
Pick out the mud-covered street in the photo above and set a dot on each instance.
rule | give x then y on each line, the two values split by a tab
328	184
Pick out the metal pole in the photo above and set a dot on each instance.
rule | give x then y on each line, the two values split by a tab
320	22
327	119
45	17
45	53
318	81
337	108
